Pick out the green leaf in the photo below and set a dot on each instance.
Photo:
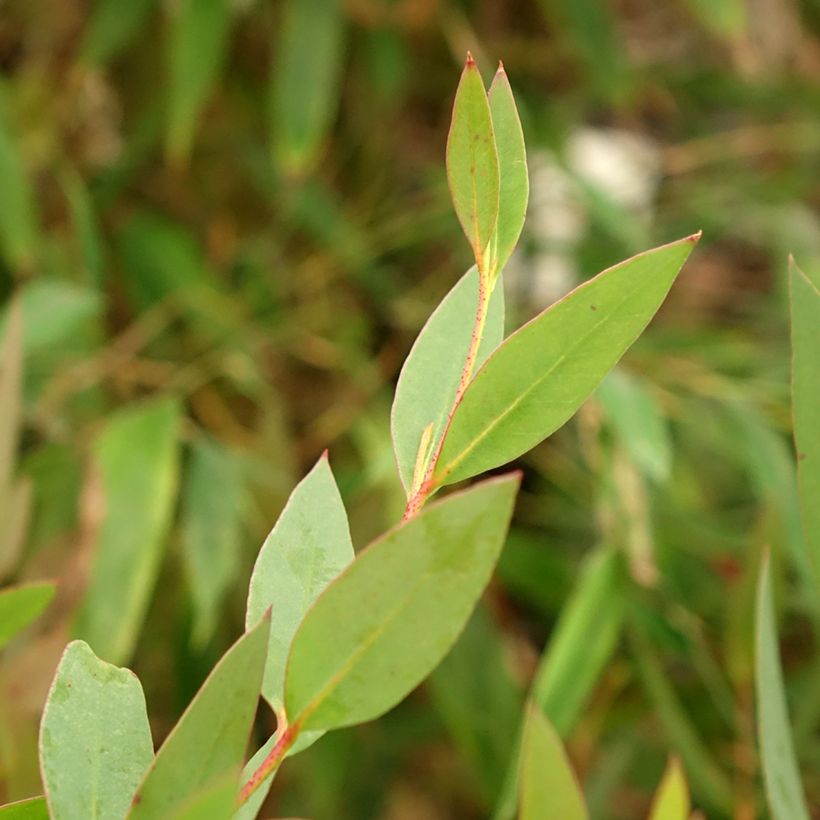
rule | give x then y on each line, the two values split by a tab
805	321
381	627
582	642
671	801
11	385
305	81
548	784
95	741
479	701
638	421
472	161
211	531
432	371
113	25
136	455
514	183
18	220
20	605
542	374
780	769
216	801
86	226
34	808
209	740
198	46
309	546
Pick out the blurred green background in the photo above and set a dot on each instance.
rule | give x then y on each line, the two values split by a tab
225	221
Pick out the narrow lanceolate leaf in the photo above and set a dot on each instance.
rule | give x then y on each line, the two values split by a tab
805	320
780	769
95	741
209	741
671	801
305	81
309	546
35	808
583	641
136	456
472	161
388	620
19	606
542	374
211	531
432	371
548	787
198	46
514	188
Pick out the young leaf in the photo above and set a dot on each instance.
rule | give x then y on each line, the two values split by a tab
309	546
472	162
548	784
209	740
432	371
671	801
198	46
211	531
780	769
805	322
381	627
582	642
20	605
34	808
305	81
541	374
514	183
95	741
137	458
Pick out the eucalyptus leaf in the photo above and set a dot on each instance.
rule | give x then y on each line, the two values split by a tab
136	455
780	769
514	183
208	743
216	801
431	374
20	605
472	161
383	625
805	331
539	377
309	546
671	801
548	786
35	808
95	741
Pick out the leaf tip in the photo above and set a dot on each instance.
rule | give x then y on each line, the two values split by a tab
470	61
694	238
324	456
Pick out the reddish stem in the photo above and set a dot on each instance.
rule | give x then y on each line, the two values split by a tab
271	763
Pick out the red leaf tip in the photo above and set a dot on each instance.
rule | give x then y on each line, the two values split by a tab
695	237
500	69
470	63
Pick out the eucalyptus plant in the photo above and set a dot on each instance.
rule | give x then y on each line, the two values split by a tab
336	637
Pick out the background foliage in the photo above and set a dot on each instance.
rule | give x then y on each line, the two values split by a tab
225	222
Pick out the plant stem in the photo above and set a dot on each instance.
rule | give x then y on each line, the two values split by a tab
271	763
417	499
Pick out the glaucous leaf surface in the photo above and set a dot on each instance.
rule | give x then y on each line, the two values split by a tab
582	642
805	321
539	377
208	743
309	546
95	741
514	181
216	801
472	160
20	605
432	371
212	502
198	45
35	808
548	787
634	414
381	627
136	455
671	800
305	81
780	770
